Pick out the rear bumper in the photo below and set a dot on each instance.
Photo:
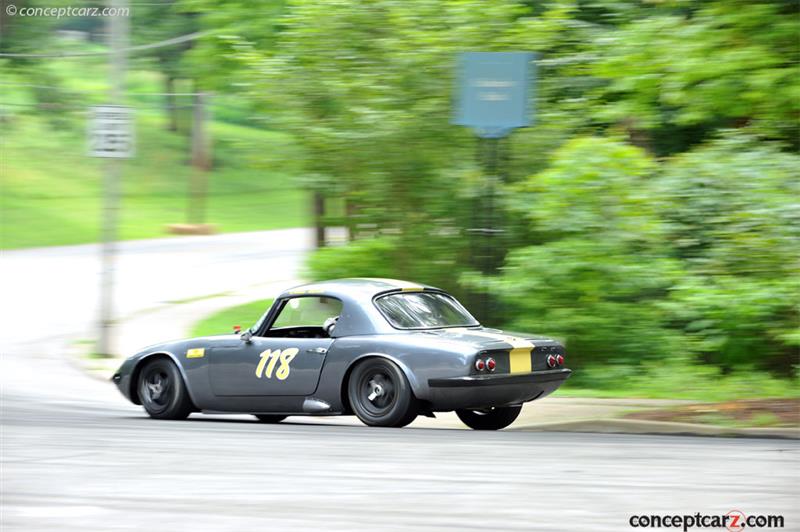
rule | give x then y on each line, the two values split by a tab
480	391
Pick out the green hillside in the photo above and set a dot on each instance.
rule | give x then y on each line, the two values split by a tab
51	191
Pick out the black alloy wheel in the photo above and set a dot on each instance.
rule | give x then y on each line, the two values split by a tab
380	394
162	391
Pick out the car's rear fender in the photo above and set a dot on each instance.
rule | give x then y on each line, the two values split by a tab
413	381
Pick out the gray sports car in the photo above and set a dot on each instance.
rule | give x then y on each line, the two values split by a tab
384	350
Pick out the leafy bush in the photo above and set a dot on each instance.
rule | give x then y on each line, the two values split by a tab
733	218
697	258
600	277
371	257
677	377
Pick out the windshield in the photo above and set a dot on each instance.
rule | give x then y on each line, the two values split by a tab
424	310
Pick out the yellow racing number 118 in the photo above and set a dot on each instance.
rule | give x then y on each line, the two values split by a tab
269	358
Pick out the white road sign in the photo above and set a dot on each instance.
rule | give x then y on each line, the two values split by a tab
111	131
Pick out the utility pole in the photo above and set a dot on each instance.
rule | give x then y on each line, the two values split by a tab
119	43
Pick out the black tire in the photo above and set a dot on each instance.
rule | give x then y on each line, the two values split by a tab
380	394
269	418
495	418
162	391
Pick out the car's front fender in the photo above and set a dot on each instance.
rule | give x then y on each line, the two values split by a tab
127	375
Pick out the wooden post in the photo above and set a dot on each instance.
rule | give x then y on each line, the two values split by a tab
201	162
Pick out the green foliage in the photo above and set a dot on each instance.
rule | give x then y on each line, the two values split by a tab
697	257
677	377
392	257
597	279
676	74
651	213
594	187
733	217
367	87
631	258
26	35
372	257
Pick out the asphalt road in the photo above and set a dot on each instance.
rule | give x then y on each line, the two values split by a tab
75	456
94	466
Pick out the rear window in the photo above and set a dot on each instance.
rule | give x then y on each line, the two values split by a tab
424	310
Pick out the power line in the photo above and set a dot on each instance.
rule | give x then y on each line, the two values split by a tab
160	44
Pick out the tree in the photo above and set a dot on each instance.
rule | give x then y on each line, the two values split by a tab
681	70
367	88
733	219
602	269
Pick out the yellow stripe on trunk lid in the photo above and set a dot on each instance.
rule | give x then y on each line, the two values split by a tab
519	357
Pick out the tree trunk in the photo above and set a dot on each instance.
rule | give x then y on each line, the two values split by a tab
350	212
319	223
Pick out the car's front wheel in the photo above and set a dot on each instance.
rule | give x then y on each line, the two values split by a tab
380	394
162	391
494	418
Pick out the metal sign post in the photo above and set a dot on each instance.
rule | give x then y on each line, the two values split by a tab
494	97
111	137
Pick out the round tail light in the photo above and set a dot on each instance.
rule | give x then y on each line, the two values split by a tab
551	361
480	365
490	364
560	360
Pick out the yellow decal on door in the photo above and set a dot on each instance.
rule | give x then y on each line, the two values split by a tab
270	358
197	352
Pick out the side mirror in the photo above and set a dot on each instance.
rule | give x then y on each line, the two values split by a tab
246	336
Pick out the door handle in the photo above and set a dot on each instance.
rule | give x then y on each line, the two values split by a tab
317	350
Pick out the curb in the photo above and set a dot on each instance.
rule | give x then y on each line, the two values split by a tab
630	426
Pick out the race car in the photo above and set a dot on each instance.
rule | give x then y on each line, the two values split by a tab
384	350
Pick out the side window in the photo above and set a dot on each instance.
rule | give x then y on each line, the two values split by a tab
307	312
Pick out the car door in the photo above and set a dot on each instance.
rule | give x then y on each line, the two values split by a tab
284	358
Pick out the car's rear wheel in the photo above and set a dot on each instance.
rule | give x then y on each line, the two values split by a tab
162	392
269	418
380	394
494	418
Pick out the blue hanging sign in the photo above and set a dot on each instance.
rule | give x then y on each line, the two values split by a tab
495	91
